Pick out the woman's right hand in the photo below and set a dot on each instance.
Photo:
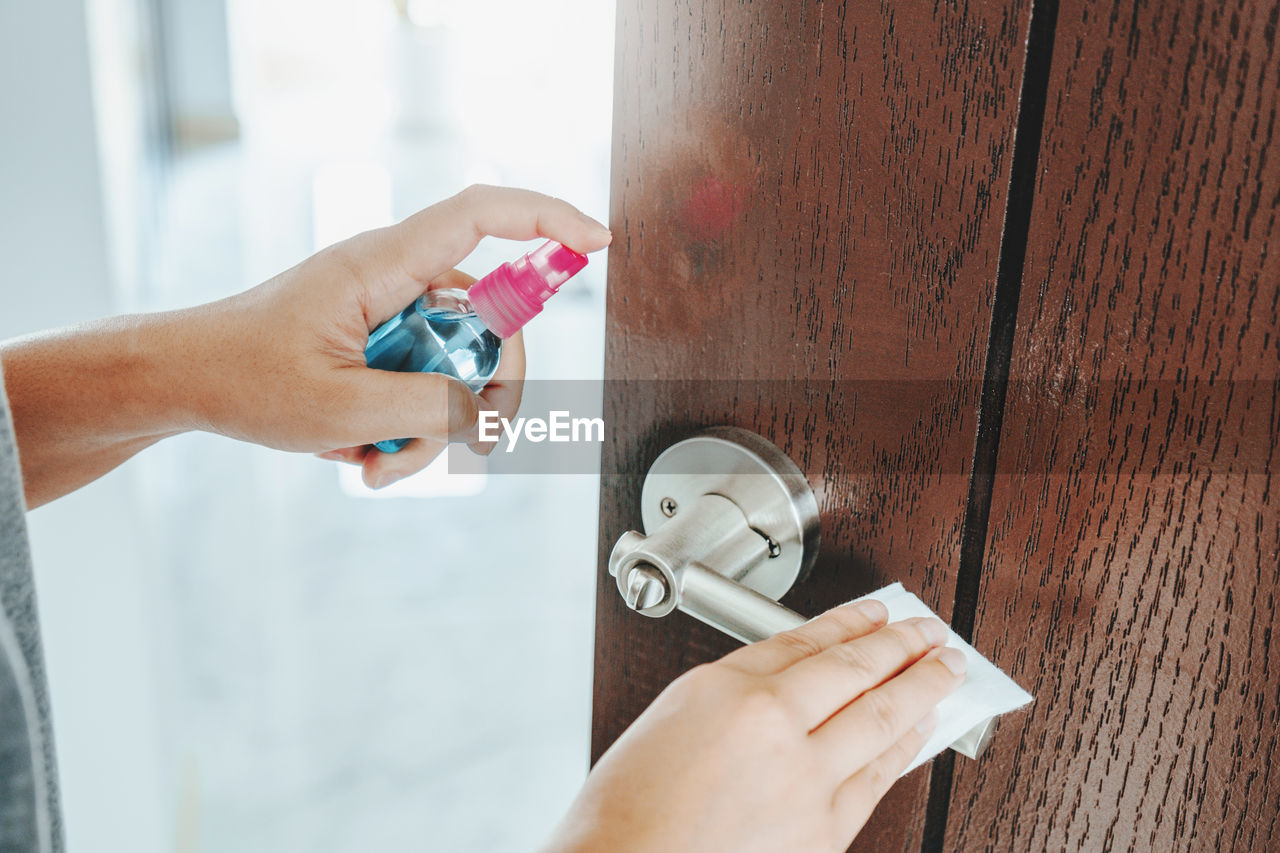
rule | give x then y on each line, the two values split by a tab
787	744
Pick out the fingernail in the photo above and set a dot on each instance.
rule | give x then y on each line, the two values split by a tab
873	610
953	659
928	724
594	223
332	455
386	478
935	633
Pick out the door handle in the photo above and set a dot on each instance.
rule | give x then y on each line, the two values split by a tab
730	524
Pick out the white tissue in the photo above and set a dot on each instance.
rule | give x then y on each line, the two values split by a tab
986	692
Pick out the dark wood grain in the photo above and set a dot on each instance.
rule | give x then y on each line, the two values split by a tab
807	202
1130	580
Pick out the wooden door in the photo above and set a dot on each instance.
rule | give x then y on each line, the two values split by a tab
845	226
807	207
1131	572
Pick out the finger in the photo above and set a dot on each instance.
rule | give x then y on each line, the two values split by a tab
858	795
349	455
870	724
437	238
838	625
504	391
456	279
820	685
384	404
383	469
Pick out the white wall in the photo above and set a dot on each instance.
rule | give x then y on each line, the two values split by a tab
52	241
54	269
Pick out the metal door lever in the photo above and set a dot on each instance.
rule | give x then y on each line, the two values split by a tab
730	525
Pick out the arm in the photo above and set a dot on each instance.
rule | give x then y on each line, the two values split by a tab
281	364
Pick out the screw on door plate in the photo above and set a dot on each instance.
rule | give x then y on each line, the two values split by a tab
668	507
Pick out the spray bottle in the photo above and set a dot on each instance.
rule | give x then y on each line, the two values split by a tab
459	332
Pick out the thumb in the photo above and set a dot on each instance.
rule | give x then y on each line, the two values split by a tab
386	404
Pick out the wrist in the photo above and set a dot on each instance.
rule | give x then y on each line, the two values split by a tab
165	372
157	377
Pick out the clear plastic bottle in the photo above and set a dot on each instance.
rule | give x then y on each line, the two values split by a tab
459	332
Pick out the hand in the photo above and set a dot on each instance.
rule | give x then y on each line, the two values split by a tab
291	351
281	364
787	744
502	394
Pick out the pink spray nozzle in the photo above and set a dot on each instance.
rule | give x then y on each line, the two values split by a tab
513	294
556	263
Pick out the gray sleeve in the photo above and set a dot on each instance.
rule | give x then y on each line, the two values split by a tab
29	818
24	807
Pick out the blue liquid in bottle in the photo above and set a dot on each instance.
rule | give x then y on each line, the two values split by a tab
439	333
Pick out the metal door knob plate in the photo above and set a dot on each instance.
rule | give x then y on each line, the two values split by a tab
730	525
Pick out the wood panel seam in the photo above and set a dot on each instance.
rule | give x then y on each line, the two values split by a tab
1019	203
